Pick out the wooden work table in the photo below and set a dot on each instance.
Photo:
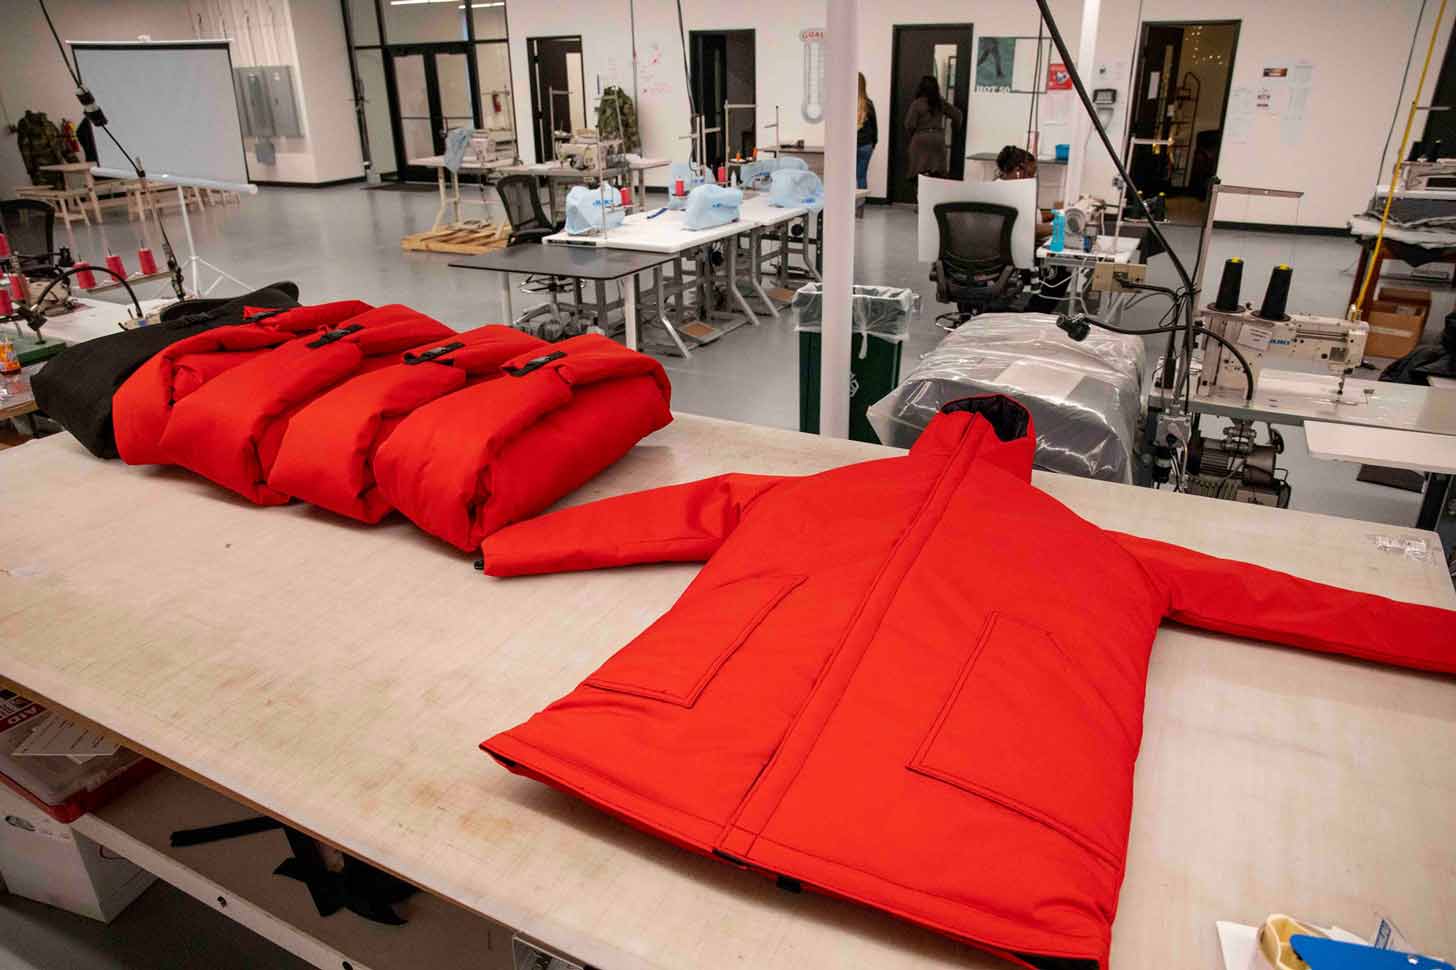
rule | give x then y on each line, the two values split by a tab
340	677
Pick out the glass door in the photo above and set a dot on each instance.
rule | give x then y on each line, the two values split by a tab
432	93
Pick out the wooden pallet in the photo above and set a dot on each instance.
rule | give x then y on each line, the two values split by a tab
466	238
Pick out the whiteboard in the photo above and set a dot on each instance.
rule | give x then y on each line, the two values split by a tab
172	104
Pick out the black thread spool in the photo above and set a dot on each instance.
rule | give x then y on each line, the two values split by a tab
1276	297
1229	286
1433	150
1417	147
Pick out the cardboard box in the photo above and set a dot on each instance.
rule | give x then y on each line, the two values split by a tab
44	860
1397	318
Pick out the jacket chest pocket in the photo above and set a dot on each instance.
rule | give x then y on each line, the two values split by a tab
1024	728
675	658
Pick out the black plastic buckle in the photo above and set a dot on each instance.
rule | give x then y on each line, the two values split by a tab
266	314
534	364
434	353
335	335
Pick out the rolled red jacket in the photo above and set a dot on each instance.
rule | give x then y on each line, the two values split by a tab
916	682
327	454
143	405
229	430
485	456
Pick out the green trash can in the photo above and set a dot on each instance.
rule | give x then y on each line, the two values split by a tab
881	316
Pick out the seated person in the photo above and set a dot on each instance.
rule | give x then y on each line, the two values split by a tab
1018	163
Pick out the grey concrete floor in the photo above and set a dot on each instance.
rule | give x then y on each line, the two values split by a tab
344	242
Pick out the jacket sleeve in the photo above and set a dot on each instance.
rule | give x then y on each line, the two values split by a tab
677	523
1250	601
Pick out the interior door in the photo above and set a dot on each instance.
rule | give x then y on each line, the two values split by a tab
943	51
558	90
710	88
432	94
1155	88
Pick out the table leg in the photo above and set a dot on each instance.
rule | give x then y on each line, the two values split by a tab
812	265
440	209
629	311
601	289
505	289
731	244
755	270
1438	488
455	194
783	231
677	339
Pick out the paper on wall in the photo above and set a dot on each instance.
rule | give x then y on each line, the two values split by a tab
1240	114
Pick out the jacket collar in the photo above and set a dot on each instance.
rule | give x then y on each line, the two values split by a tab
998	426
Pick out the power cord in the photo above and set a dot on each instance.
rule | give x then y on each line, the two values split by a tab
93	111
1087	105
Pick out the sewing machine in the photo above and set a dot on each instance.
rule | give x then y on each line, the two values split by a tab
1338	344
587	151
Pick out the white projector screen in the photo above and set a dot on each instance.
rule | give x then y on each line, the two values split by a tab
171	104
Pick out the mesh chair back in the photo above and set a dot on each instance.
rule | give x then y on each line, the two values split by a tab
975	237
522	203
30	225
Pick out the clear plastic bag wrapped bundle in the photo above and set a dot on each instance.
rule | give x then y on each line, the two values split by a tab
883	311
792	189
1084	397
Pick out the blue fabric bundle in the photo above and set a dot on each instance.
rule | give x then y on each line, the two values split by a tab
712	205
792	188
592	210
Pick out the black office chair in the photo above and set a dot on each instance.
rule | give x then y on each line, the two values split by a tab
975	269
523	208
529	225
30	225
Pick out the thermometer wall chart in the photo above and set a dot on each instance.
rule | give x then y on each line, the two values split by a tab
813	107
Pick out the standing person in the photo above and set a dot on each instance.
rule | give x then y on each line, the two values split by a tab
928	121
869	136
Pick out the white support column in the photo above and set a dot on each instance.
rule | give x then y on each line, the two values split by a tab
841	58
1082	142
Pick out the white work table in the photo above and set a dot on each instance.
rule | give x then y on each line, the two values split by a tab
340	677
1416	450
1292	398
642	231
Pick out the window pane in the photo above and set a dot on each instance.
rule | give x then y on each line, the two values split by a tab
490	19
497	105
364	21
376	111
424	21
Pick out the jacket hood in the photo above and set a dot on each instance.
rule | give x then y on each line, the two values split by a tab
1008	437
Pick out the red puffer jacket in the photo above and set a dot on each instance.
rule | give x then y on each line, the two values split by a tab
479	459
142	406
230	429
327	455
849	697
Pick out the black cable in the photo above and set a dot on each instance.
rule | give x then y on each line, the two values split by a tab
1090	108
1198	331
682	35
1404	76
172	265
62	47
67	274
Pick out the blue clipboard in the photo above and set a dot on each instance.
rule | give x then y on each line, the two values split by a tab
1323	954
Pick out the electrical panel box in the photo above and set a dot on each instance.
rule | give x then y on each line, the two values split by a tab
267	105
1109	277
